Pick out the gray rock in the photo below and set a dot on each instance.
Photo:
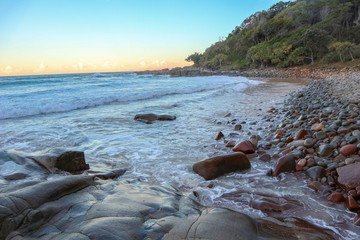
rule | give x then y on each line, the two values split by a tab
325	150
316	172
309	142
320	135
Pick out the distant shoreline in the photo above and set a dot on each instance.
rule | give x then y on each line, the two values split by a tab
308	72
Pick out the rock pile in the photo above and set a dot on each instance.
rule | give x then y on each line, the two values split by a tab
319	135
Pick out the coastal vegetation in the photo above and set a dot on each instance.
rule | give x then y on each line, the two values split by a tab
289	34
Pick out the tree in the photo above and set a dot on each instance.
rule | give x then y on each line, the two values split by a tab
343	48
315	41
195	57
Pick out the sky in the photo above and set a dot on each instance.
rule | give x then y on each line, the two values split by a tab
74	36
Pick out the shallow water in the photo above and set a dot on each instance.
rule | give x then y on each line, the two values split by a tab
94	113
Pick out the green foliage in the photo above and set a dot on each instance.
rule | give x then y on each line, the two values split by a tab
289	34
195	57
343	49
315	41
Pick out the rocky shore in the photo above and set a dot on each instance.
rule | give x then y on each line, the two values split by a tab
315	135
294	72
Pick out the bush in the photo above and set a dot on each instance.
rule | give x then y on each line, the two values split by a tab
331	57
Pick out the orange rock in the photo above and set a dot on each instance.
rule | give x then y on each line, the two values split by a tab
336	197
351	203
301	163
317	127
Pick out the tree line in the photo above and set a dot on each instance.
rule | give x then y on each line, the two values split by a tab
289	34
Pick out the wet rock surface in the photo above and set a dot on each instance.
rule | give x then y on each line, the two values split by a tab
314	135
217	166
149	118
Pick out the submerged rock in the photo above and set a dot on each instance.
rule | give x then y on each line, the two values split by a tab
150	117
214	167
218	136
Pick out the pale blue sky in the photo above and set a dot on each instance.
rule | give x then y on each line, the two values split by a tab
53	36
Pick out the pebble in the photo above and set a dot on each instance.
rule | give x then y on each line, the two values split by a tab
348	150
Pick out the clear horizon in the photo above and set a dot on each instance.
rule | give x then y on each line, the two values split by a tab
57	37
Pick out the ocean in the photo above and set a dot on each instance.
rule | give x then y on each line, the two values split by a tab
94	113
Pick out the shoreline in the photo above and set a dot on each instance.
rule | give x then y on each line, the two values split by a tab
99	211
308	72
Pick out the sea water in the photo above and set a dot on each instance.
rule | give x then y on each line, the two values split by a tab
95	113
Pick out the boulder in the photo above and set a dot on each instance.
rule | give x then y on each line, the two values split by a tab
285	164
216	166
349	176
73	161
245	147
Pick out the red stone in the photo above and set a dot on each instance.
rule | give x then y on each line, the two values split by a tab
289	139
317	127
301	134
336	197
351	203
245	147
348	150
349	176
301	163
